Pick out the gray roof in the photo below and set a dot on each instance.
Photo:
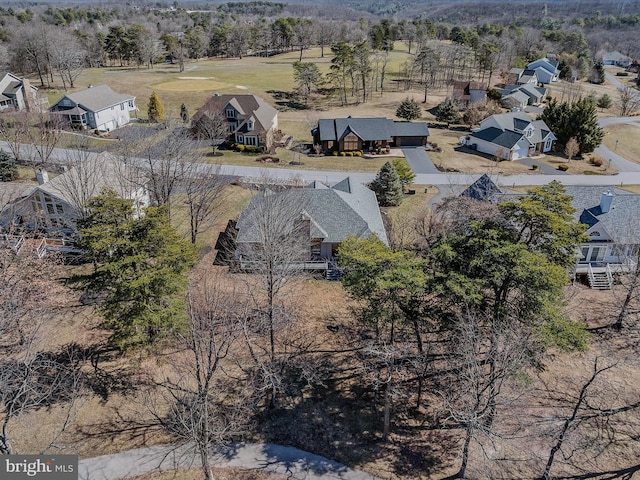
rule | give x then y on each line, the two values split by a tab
347	208
622	220
482	189
247	106
516	98
369	129
95	99
541	132
504	138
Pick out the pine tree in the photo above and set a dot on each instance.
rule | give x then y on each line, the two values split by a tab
155	108
387	186
8	167
448	113
409	110
578	119
604	102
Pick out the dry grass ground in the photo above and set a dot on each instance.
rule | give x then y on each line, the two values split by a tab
624	140
218	474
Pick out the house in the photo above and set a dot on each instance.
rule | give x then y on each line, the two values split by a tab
469	92
324	216
519	96
98	108
511	136
616	58
633	67
350	134
251	120
522	76
484	190
54	206
17	94
612	217
546	69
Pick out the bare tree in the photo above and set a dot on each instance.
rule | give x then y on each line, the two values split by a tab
205	405
13	130
486	359
205	192
630	286
212	126
274	247
31	377
629	101
41	136
67	57
571	148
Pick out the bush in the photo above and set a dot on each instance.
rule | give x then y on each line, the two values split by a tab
334	153
358	153
342	154
534	167
8	167
249	149
349	154
596	160
563	167
622	74
240	148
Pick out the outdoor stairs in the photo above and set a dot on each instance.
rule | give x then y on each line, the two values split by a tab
333	272
601	280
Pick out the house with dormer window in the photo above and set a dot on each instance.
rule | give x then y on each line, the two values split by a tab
511	136
251	120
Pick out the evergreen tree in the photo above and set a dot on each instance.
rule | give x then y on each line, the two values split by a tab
8	167
409	110
604	102
139	268
387	186
404	171
448	112
597	74
578	119
155	108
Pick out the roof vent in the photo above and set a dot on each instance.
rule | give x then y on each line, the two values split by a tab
606	200
216	94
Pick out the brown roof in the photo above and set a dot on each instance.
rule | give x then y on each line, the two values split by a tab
246	105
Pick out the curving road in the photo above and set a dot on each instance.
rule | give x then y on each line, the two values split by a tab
288	462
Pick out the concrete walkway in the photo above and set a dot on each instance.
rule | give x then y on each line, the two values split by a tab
288	462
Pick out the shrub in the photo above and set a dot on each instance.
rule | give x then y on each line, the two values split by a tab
240	148
358	153
342	154
563	167
8	167
249	149
622	74
334	153
596	160
349	154
534	167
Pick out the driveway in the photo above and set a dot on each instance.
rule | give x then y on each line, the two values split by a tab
276	459
419	160
543	167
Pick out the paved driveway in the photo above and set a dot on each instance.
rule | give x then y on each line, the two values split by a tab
419	160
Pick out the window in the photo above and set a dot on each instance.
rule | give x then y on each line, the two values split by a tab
122	106
251	141
66	102
351	142
250	124
230	113
130	103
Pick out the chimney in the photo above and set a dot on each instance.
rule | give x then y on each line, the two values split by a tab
606	201
29	100
42	176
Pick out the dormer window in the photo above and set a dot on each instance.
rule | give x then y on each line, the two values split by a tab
230	112
250	123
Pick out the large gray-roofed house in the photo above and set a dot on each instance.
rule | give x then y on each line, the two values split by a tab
96	107
331	213
252	121
18	94
349	134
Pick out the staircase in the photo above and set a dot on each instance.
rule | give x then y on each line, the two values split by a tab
333	272
600	280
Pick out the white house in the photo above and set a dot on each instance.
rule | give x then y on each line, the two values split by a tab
612	217
98	107
55	205
616	58
519	96
17	94
511	136
546	69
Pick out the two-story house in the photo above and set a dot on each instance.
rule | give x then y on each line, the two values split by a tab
250	119
98	108
546	69
511	136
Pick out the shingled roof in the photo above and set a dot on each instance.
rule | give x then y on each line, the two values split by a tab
347	208
369	129
96	99
247	106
